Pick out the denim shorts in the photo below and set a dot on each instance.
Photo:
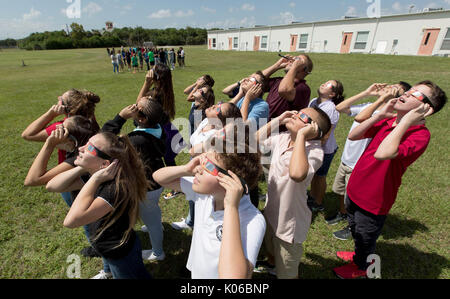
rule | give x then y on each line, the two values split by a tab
327	159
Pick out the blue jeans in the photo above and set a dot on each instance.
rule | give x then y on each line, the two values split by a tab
150	213
115	66
128	267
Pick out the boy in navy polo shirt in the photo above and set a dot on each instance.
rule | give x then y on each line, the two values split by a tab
397	141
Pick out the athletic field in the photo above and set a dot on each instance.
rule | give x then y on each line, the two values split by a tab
34	244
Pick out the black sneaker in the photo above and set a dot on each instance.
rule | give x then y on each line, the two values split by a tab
343	234
89	252
336	219
312	205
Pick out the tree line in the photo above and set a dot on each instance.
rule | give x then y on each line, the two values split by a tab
80	38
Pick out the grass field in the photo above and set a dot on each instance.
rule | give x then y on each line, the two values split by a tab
34	244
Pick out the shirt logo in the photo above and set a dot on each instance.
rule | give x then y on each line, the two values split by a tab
219	233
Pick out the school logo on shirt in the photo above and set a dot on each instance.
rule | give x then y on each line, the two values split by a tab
219	233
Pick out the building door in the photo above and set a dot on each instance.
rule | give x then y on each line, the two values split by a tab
429	39
294	39
346	42
230	43
256	40
209	43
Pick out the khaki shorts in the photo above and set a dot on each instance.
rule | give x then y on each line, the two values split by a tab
287	256
340	181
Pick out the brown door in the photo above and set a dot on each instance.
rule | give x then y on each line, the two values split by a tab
256	40
429	39
294	39
346	42
209	43
230	43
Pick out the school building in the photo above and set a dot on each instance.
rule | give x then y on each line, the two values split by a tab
424	33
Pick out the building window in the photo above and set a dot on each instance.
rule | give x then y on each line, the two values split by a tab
264	42
213	42
303	41
446	41
235	43
361	40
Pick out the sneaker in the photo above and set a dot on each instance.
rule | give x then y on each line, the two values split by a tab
345	255
144	229
149	255
172	194
102	275
181	225
89	252
336	219
264	267
343	234
349	271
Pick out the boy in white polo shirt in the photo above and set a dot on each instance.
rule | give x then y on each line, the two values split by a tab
210	180
296	155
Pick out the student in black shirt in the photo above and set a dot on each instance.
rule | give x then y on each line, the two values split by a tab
108	201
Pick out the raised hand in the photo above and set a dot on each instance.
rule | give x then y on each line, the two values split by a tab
58	136
233	189
57	109
375	89
108	173
417	116
129	111
310	131
285	116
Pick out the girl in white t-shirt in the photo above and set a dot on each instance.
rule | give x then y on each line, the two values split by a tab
228	229
330	94
215	120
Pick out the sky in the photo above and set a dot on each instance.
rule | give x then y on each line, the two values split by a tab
20	18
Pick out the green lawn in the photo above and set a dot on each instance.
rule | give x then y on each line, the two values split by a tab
34	244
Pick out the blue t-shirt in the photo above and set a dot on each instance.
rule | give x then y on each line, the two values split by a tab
257	109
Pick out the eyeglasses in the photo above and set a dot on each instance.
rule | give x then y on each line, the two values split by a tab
218	108
307	120
93	150
419	96
214	170
254	81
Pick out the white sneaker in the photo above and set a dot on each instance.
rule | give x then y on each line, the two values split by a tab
102	275
150	256
181	225
144	229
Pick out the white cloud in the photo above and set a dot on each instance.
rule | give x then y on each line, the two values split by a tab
167	13
33	14
161	14
447	1
248	7
181	14
397	7
212	10
292	4
351	11
92	8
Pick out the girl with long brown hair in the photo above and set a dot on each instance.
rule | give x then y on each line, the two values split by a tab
108	201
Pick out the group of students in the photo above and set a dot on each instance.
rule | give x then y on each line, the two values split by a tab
110	180
134	58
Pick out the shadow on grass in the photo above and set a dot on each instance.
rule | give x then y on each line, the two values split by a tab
176	247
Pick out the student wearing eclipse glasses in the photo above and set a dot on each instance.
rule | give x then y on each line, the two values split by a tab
228	229
397	141
111	178
296	155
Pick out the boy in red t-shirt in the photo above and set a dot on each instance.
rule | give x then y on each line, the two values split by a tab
397	141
